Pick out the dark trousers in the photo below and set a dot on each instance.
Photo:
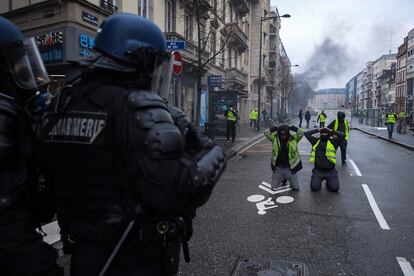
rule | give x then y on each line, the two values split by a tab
300	121
94	243
330	176
307	123
343	146
231	128
321	124
253	123
390	128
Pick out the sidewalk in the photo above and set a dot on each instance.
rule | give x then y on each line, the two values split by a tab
244	137
405	140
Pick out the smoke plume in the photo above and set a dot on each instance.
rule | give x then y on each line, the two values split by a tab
328	60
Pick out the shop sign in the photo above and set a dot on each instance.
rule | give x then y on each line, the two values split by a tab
86	43
50	46
215	81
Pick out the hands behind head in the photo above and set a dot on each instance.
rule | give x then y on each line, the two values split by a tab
325	130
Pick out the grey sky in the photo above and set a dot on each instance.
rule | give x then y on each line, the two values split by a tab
360	29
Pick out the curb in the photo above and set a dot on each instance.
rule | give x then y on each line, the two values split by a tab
230	153
401	144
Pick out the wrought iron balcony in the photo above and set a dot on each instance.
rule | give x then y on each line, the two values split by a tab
109	6
237	37
241	6
235	77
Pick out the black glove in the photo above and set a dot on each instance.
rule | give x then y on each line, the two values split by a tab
273	129
293	128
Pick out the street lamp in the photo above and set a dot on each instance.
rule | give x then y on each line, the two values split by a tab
263	18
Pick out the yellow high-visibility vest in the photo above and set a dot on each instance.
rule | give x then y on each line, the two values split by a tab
391	118
346	128
322	118
231	116
330	152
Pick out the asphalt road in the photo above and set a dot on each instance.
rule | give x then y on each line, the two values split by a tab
332	233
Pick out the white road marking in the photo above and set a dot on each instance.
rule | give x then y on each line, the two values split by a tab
52	230
357	171
405	266
258	141
377	212
267	187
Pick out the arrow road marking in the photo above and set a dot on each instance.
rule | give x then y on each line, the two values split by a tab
357	171
377	212
267	187
405	266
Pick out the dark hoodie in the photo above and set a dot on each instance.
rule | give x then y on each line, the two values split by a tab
341	122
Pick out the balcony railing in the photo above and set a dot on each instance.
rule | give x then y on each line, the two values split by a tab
238	37
109	6
235	75
241	6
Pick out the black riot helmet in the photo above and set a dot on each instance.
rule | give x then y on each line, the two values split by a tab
22	71
133	44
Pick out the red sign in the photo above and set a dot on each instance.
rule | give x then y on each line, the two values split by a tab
177	63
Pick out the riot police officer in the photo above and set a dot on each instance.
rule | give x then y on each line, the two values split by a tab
130	171
23	206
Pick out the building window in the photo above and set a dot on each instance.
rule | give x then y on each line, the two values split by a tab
188	27
143	8
109	5
169	16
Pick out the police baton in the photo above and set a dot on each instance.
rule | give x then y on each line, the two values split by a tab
117	247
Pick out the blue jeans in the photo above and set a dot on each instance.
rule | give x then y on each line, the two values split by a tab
390	128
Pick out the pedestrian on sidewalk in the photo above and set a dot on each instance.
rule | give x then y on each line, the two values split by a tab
341	124
253	118
232	116
285	159
401	127
323	157
300	115
307	118
391	117
322	119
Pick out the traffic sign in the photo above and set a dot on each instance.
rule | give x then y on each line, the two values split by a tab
175	45
177	63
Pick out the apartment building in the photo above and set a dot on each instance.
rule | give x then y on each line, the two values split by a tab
410	72
400	85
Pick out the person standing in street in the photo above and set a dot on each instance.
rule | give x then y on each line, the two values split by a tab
391	118
285	159
341	124
300	115
130	171
323	157
254	115
24	202
307	118
322	119
231	116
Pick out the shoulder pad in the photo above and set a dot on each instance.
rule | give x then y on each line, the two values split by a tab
8	105
142	99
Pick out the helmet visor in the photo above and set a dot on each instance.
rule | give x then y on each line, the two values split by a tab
26	65
161	78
